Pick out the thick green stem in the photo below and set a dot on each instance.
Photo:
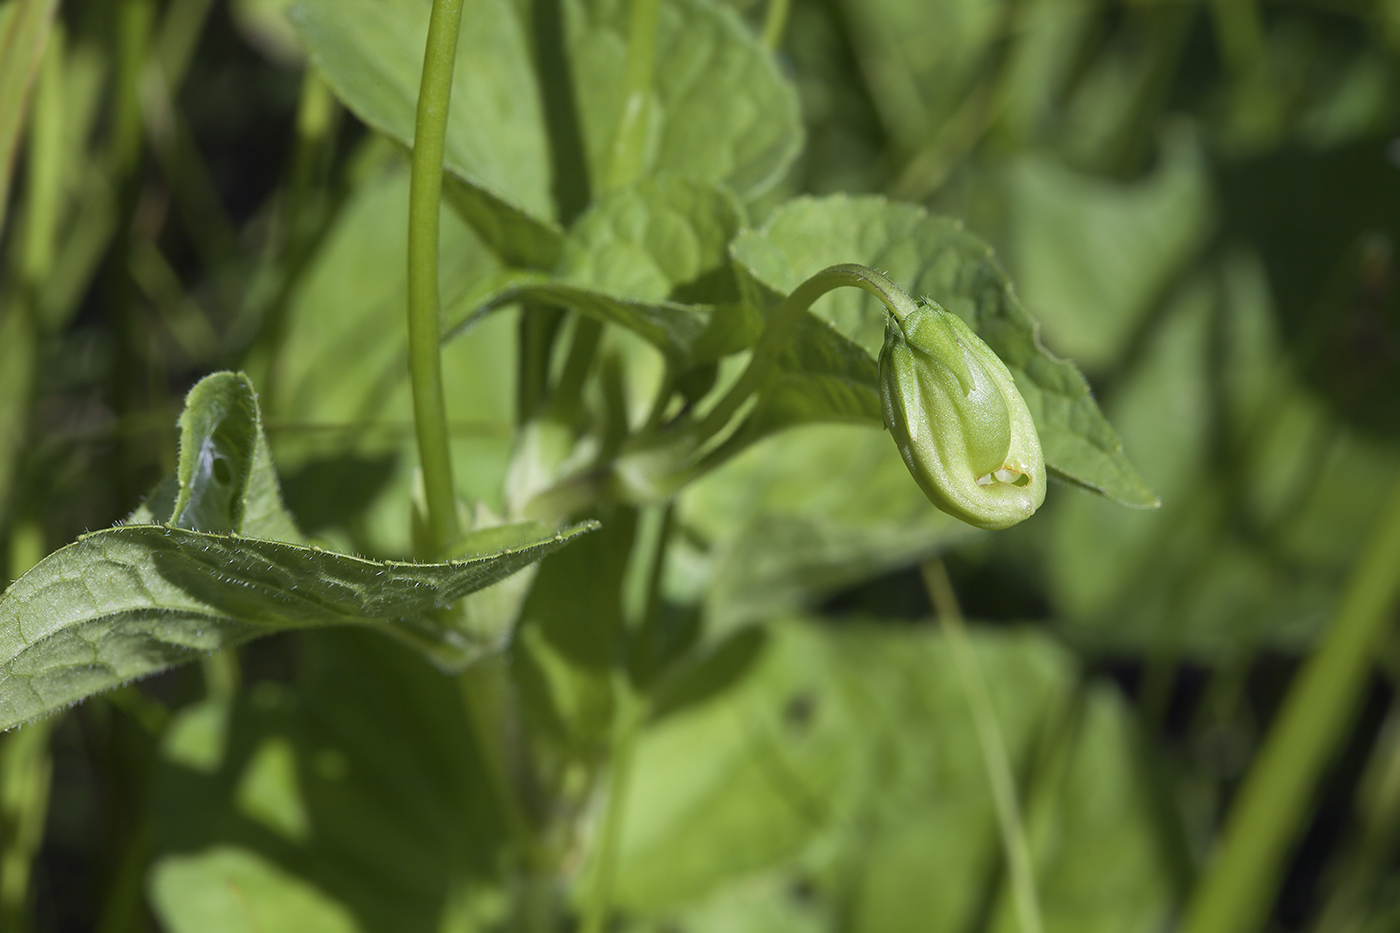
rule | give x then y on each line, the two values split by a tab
1241	880
783	322
992	744
628	155
424	329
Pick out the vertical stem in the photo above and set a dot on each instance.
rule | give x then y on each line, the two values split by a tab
992	744
1242	878
599	903
775	23
629	144
567	399
424	329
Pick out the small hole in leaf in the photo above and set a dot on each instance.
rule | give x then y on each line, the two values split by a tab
221	471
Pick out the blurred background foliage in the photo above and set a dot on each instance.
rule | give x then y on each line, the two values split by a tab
1199	201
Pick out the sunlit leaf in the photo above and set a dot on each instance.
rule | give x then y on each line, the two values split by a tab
935	257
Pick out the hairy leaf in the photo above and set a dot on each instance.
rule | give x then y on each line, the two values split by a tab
131	600
936	257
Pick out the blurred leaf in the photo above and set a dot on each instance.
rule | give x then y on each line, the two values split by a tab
266	25
17	351
349	305
805	513
1091	256
920	61
230	890
401	830
800	793
1259	522
934	256
1330	257
738	125
571	631
371	52
729	787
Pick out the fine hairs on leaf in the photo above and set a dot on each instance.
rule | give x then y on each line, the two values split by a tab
132	600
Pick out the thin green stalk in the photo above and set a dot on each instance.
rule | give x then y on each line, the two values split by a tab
1242	878
784	321
599	903
775	23
628	154
424	328
483	690
567	398
991	743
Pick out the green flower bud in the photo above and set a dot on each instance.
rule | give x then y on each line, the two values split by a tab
964	431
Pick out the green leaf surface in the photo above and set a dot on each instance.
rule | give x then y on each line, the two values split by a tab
935	257
230	890
371	52
803	778
343	434
226	481
652	258
398	825
919	61
131	600
1239	556
1092	257
722	112
721	109
803	514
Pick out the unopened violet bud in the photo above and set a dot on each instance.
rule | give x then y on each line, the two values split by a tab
961	426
